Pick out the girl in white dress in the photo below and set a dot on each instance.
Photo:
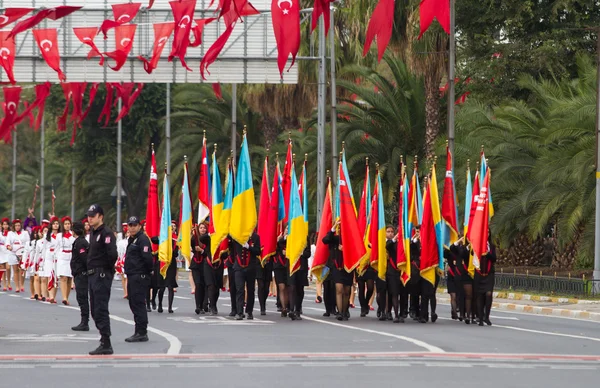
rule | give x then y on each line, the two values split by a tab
63	259
18	240
27	267
4	269
38	262
120	264
49	267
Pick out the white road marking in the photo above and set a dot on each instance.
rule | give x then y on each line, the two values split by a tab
174	342
182	297
549	333
15	296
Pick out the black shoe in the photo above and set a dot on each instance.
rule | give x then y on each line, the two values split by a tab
345	318
434	317
326	314
148	309
36	297
422	320
137	337
170	311
153	305
278	309
263	312
43	299
480	323
467	321
105	348
232	314
389	316
292	315
298	317
213	311
413	315
488	322
379	314
197	311
397	320
239	317
340	318
250	316
454	316
363	314
284	313
382	317
83	326
461	318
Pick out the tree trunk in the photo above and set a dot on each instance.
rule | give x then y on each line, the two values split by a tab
432	115
270	130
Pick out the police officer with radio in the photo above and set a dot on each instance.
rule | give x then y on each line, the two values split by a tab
102	256
138	266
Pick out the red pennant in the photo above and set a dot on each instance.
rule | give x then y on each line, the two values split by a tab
162	31
150	4
124	43
7	55
49	13
380	25
233	10
123	13
12	15
86	35
128	96
213	52
286	27
462	99
93	91
217	89
42	91
47	41
12	97
107	105
198	29
430	9
183	12
62	120
320	7
27	113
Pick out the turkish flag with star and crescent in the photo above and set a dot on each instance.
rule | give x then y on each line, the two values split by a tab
123	45
50	13
162	32
7	55
286	27
12	15
183	13
86	35
123	13
47	41
12	97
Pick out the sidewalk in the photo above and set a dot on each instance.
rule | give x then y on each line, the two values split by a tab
542	305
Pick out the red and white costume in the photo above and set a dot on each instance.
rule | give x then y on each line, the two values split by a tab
63	254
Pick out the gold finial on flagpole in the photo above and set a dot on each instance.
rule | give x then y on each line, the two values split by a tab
152	146
245	129
306	157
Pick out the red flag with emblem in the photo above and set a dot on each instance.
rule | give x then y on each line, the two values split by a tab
62	120
479	226
265	201
11	15
320	7
93	91
198	29
183	13
47	41
7	55
286	180
86	36
49	13
123	13
380	25
204	202
123	44
42	91
108	101
128	95
12	97
354	250
162	32
286	27
152	209
430	9
213	52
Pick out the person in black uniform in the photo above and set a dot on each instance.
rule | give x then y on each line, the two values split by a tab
229	264
484	283
201	252
102	257
296	284
454	285
342	279
461	257
414	284
245	258
170	280
281	271
79	271
138	266
213	273
264	276
392	274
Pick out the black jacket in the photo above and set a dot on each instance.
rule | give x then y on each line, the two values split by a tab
392	250
335	255
246	257
79	254
103	249
199	257
138	257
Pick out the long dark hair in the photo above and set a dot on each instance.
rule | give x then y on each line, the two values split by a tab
49	234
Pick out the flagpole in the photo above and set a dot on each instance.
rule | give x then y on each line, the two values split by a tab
42	162
73	192
119	162
233	120
168	131
321	121
14	176
333	119
597	223
451	68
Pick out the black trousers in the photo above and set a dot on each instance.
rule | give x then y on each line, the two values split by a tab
263	293
81	291
232	289
329	294
99	284
244	281
137	287
198	276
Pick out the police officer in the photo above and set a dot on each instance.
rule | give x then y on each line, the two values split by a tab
102	257
138	266
79	271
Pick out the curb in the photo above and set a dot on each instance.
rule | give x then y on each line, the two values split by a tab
536	298
539	310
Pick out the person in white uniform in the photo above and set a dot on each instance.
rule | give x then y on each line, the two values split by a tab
63	260
4	253
28	261
49	266
17	240
40	248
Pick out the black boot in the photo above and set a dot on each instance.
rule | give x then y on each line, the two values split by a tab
83	326
105	347
137	337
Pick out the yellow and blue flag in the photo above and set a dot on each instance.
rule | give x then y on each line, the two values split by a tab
216	208
381	241
243	209
297	227
165	240
184	239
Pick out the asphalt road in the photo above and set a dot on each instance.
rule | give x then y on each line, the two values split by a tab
518	350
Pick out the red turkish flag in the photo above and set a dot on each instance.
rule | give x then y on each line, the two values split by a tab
61	123
78	90
286	27
47	41
86	35
7	55
150	4
234	9
12	15
124	43
93	91
217	89
128	96
198	29
162	32
479	227
380	25
353	244
123	13
320	7
183	12
214	50
430	9
42	91
108	101
50	13
12	97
